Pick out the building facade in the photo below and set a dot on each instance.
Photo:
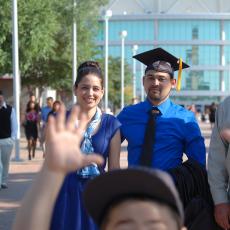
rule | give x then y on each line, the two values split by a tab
197	31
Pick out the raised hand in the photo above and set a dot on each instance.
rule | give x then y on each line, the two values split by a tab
63	143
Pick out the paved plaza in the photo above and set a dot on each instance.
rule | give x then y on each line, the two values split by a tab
23	173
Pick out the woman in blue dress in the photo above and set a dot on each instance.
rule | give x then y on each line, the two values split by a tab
102	136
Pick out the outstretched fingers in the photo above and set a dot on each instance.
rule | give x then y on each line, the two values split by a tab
71	123
60	119
81	126
51	129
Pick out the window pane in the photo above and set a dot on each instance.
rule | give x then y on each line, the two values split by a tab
189	30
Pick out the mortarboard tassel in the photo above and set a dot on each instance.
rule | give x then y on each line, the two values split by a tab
178	86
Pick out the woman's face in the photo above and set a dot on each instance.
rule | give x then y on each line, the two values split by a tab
56	107
32	105
89	91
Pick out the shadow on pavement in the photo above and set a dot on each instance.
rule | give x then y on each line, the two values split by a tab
10	198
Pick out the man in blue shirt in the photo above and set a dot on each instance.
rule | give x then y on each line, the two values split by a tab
46	109
176	129
44	116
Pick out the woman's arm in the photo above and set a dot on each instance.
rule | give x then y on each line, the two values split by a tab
114	151
63	155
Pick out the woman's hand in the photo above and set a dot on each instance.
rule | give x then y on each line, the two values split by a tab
63	140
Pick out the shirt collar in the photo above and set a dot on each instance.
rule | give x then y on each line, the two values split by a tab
163	107
4	105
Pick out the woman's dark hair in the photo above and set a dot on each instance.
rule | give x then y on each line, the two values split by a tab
55	103
28	106
88	67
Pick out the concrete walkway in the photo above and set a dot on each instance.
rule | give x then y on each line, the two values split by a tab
23	173
21	176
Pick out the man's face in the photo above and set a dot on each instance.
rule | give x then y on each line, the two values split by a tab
49	103
32	98
157	86
138	214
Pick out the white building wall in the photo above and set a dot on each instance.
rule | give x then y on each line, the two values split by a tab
168	6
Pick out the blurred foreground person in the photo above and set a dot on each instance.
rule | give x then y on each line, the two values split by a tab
130	199
133	199
219	164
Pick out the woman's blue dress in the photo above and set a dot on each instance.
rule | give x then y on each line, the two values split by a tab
69	212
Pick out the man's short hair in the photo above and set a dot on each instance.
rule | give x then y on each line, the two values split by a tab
117	185
49	98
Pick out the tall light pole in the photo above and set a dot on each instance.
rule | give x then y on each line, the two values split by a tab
16	76
74	50
134	50
108	15
142	87
123	35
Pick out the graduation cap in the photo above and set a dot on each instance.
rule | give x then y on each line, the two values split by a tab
101	192
162	61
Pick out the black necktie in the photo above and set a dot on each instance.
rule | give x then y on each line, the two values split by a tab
147	149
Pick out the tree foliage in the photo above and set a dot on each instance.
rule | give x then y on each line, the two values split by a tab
45	38
114	81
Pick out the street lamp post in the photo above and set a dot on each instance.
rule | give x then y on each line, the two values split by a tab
74	51
135	48
108	14
142	87
123	35
16	76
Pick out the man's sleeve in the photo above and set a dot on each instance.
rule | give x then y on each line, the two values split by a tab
217	173
14	124
194	146
121	119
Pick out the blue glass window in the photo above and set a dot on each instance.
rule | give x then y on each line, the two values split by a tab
227	29
137	30
189	30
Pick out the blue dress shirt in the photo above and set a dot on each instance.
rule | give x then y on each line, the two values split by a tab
177	132
44	113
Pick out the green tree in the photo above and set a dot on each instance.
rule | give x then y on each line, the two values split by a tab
45	38
36	27
114	81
